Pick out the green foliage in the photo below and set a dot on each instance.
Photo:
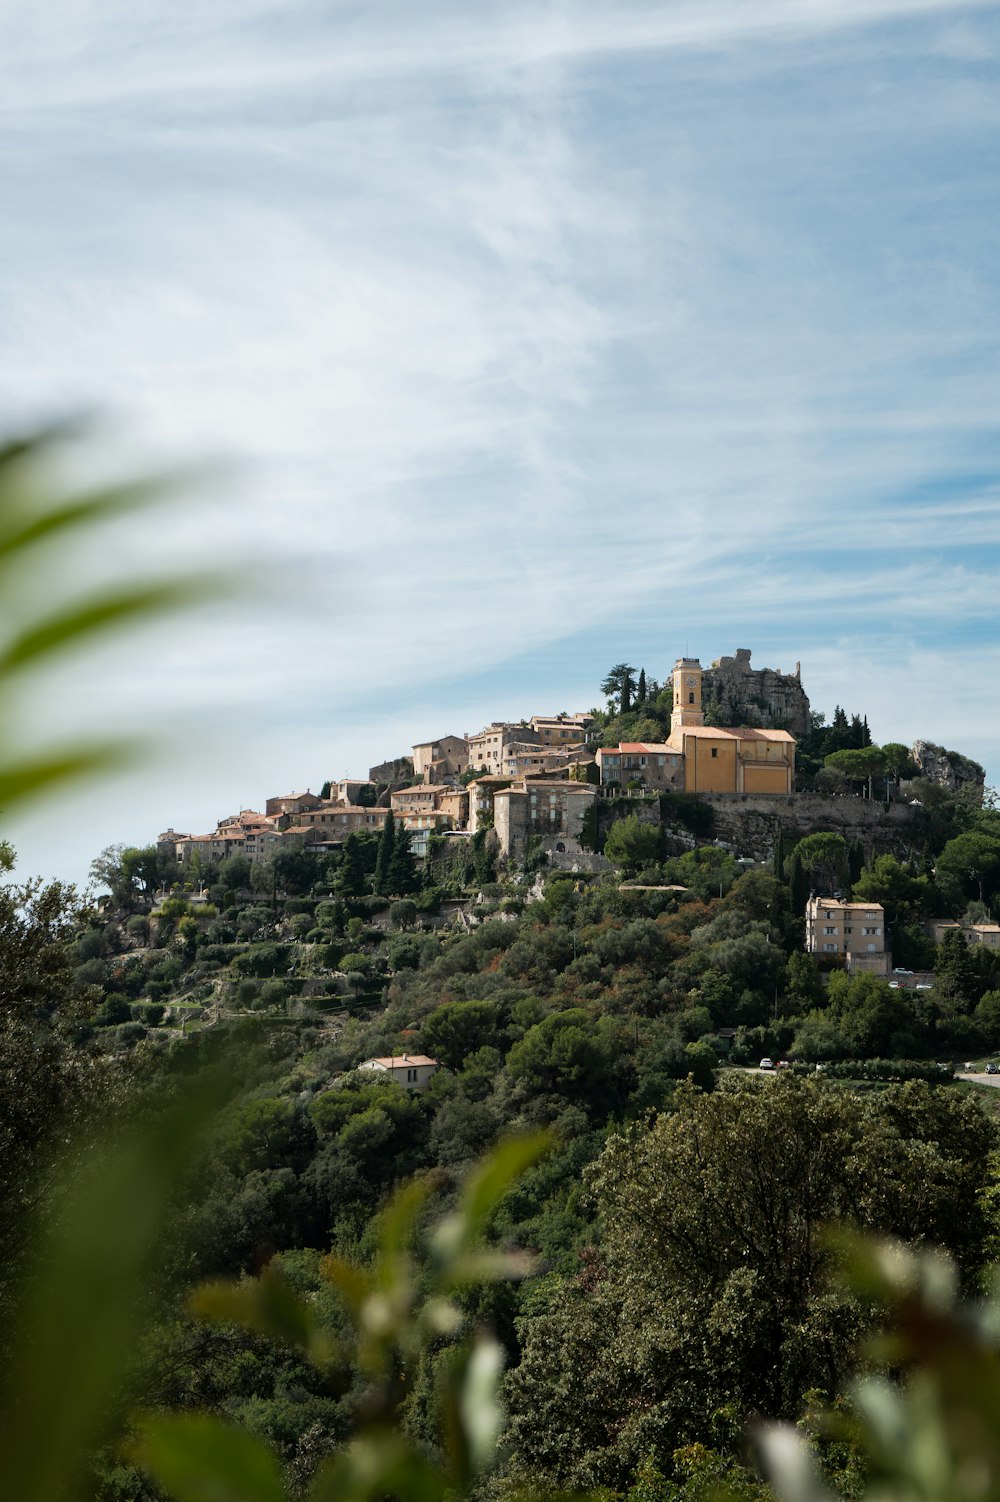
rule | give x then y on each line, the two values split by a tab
824	857
631	843
924	1419
711	1259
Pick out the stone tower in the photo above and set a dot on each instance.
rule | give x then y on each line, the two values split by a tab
687	694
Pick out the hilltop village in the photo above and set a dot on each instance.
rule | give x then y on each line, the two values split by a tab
535	782
699	937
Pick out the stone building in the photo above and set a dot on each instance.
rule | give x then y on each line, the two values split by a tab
443	760
972	933
734	693
549	810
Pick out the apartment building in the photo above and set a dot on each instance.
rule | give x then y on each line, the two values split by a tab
853	931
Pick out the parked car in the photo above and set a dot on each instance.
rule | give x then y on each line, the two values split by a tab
766	1064
992	1068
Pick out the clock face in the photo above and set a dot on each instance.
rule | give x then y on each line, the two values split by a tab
690	683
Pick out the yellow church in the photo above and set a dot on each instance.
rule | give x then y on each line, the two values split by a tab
716	760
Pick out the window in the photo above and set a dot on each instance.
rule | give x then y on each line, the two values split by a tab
871	916
690	698
829	946
411	1076
871	948
715	750
829	930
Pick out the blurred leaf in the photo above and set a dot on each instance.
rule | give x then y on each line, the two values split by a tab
94	1273
352	1283
485	1188
790	1466
72	627
32	512
479	1404
197	1458
397	1226
17	535
24	779
381	1465
268	1306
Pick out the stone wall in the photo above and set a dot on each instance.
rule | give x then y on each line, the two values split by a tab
750	823
741	695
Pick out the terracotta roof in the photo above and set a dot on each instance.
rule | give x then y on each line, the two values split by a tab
737	733
643	748
400	1061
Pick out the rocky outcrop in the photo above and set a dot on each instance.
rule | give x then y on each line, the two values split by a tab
948	769
734	693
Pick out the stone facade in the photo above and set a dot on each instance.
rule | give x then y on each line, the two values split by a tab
553	811
738	694
948	769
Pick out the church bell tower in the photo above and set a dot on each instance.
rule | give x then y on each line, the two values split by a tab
687	694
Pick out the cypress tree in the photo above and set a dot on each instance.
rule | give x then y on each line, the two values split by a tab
778	855
798	886
401	876
640	696
352	868
384	858
855	860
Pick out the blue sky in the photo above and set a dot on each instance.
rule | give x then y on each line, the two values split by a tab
534	338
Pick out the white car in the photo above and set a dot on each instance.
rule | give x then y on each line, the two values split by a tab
766	1064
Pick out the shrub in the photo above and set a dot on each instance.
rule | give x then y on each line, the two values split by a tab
895	1070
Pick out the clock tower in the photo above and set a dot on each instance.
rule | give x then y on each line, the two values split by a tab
687	694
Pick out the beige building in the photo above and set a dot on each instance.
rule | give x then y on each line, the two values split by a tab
973	933
442	760
421	799
654	764
291	803
854	931
481	795
455	803
549	810
561	730
488	749
525	759
411	1070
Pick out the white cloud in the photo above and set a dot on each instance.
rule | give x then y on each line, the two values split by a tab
518	320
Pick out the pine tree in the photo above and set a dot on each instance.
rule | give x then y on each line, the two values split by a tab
401	876
384	858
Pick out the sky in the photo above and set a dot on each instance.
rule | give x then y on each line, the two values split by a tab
503	343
